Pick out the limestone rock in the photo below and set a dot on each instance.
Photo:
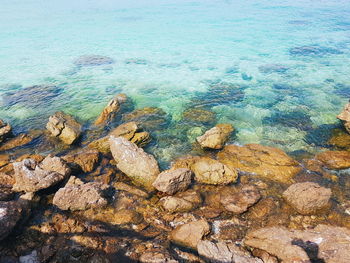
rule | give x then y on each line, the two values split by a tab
222	252
264	161
240	199
31	176
128	130
327	243
110	110
10	213
190	234
307	198
140	166
85	160
172	181
64	126
345	117
82	196
5	130
210	171
336	160
216	137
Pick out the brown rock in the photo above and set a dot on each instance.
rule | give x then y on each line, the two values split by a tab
149	117
5	130
10	214
199	115
345	117
210	171
130	189
240	199
31	176
307	198
82	196
17	141
172	181
115	217
65	127
340	139
86	160
156	257
127	130
264	161
111	109
4	159
328	243
222	252
336	160
6	179
176	204
190	234
216	137
140	166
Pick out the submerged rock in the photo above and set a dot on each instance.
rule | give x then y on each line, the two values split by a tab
190	234
19	140
93	60
222	252
10	214
307	198
65	127
336	160
140	166
151	118
34	96
112	108
210	171
273	68
172	181
5	130
198	115
238	200
313	50
264	161
344	116
216	137
322	244
31	176
82	196
128	130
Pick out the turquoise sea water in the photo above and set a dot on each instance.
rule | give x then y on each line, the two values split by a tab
284	66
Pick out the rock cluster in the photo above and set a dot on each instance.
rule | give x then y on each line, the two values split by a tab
65	127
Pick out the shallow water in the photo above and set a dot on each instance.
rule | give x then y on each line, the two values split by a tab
286	64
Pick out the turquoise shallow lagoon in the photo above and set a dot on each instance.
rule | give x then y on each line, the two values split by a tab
279	71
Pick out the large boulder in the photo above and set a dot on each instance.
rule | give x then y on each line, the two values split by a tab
307	198
216	137
238	199
336	160
324	243
112	108
172	181
210	171
128	130
64	126
222	252
31	176
82	196
345	117
140	166
10	214
5	130
264	161
190	234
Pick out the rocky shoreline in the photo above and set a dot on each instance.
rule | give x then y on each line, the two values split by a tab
88	196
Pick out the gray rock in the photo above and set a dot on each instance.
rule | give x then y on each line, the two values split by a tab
140	166
10	214
82	196
172	181
31	176
64	126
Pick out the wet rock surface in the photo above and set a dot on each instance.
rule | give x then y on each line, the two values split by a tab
172	181
322	244
140	166
307	198
82	196
31	176
216	137
264	161
5	130
344	116
18	141
334	159
65	127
